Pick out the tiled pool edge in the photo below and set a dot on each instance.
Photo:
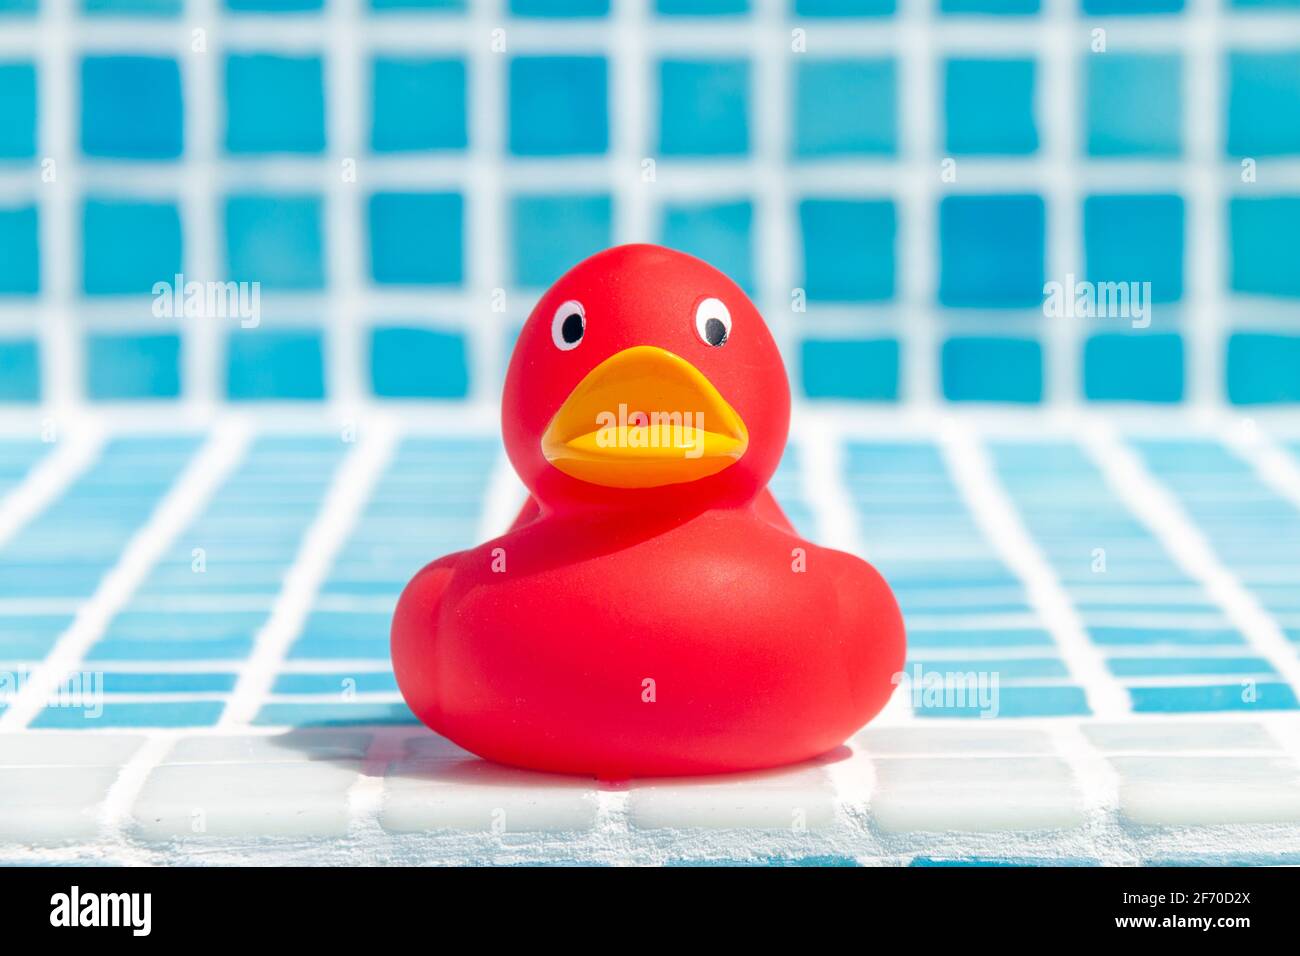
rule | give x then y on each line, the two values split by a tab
814	814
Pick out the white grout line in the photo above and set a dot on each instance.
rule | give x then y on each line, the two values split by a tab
346	230
771	62
486	187
60	104
1156	507
349	491
115	811
1099	784
183	501
821	471
366	795
629	124
1205	324
1276	468
203	345
996	516
920	158
49	478
1057	115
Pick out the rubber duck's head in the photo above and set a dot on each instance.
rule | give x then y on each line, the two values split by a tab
645	371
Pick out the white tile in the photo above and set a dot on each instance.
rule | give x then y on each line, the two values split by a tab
1205	791
294	799
457	792
51	805
1172	737
37	749
979	738
794	799
297	745
975	794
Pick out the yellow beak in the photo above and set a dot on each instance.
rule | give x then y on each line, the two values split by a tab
642	418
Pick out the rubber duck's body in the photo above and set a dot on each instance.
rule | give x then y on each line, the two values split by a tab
651	611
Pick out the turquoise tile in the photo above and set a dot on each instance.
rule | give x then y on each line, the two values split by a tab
1177	666
550	234
1262	696
168	9
131	108
558	105
986	369
416	238
989	107
128	245
418	363
845	8
20	371
20	259
1133	104
1263	234
979	637
275	365
1136	367
336	714
124	367
1010	668
845	107
277	240
848	249
1135	238
180	713
703	8
997	7
335	684
117	682
859	370
1263	369
703	107
719	233
443	6
991	251
1110	8
559	8
274	6
274	104
418	103
1263	101
1050	701
17	110
29	637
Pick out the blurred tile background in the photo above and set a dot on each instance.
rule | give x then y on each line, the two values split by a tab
894	183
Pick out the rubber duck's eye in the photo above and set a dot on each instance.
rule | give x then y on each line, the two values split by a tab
569	325
713	322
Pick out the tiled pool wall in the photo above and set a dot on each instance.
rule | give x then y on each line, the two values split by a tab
894	183
245	616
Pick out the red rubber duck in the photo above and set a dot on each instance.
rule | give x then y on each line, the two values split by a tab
651	611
